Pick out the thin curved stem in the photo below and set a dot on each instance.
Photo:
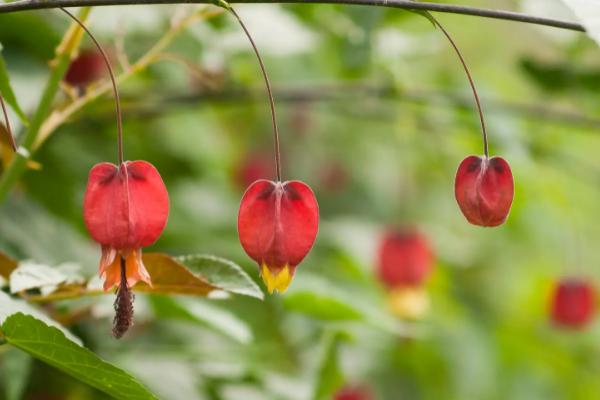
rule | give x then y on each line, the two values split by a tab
269	91
470	78
13	144
114	85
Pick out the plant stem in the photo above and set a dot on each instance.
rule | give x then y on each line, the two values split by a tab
21	5
113	82
59	67
477	101
269	92
13	144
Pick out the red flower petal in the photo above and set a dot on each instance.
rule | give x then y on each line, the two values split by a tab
573	303
405	259
277	226
484	190
125	207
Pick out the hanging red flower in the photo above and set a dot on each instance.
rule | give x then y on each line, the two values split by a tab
277	226
125	208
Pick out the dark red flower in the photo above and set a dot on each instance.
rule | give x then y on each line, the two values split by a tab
86	68
484	190
252	168
354	393
573	302
405	258
277	226
125	208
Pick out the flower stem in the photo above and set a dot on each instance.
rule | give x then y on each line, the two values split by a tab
113	81
269	91
11	138
477	101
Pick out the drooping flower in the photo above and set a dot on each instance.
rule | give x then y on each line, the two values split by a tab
277	226
126	208
405	258
86	68
484	190
573	302
354	392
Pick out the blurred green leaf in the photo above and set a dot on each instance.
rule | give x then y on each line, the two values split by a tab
10	306
222	273
321	306
7	91
203	313
50	345
16	367
329	377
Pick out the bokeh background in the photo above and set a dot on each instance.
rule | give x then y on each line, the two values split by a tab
375	115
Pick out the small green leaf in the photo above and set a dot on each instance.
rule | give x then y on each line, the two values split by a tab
7	92
329	378
203	313
50	345
321	306
16	367
10	306
222	273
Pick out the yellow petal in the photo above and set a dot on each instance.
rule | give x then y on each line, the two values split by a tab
277	280
409	303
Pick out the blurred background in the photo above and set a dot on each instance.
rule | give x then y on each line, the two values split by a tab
375	115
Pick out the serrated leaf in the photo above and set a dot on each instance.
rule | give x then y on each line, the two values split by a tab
30	275
222	273
588	13
50	345
169	276
7	91
321	306
10	306
203	313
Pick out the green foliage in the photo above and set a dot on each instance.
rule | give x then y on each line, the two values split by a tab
375	115
50	345
7	91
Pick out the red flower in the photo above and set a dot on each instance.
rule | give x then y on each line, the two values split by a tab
254	167
86	68
277	226
354	393
405	258
125	208
484	190
573	303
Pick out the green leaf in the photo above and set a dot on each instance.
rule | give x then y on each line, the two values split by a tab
321	306
10	306
7	92
223	274
203	313
50	345
16	367
329	378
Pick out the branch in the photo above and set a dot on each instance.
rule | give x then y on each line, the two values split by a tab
22	5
